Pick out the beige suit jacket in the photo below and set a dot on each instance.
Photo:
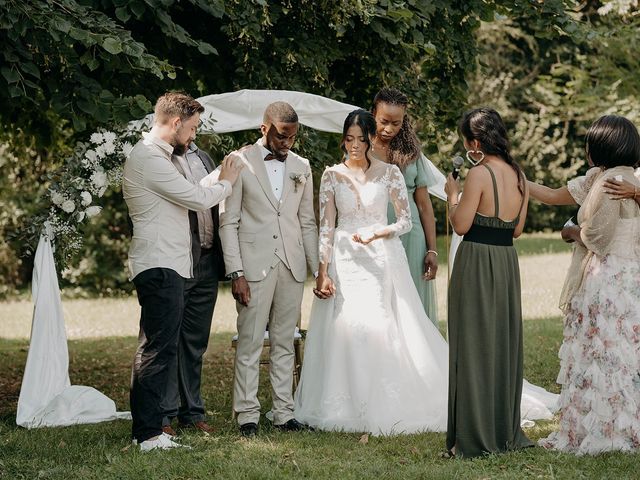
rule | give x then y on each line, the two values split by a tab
256	229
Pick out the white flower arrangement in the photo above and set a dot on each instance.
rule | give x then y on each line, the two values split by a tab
94	167
86	198
298	179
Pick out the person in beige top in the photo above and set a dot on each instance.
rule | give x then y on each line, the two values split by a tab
158	198
269	235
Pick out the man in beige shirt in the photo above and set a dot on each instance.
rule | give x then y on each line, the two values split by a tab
158	198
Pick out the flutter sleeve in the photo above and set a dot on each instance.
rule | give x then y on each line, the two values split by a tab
421	177
327	202
579	187
400	201
600	217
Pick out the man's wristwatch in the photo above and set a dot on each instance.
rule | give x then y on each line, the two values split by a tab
236	275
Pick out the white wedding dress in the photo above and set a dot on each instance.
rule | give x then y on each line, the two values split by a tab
373	360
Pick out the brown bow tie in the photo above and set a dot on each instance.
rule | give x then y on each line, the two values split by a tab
271	156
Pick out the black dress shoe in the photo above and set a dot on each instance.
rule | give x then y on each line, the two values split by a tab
292	426
249	429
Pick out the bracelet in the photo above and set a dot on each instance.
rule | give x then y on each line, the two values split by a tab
432	251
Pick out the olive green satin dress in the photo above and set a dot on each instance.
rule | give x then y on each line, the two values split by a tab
485	341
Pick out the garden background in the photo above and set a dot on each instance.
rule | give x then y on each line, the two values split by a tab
70	67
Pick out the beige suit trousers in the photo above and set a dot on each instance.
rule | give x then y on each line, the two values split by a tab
275	301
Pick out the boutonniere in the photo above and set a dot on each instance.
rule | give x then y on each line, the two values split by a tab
298	179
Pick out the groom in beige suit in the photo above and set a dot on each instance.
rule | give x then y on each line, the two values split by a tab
269	236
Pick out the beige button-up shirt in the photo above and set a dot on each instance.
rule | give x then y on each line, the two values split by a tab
158	198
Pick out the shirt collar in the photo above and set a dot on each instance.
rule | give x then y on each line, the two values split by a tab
151	139
264	150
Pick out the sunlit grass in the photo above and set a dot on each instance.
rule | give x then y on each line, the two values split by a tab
103	451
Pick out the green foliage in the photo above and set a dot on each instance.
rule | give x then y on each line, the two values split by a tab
550	92
71	66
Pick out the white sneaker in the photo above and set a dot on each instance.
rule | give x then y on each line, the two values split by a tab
161	442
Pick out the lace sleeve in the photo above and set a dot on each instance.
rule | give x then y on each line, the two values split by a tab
327	201
400	200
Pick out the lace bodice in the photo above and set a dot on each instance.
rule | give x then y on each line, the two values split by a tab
358	201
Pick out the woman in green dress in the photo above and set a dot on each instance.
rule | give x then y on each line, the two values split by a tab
485	316
396	143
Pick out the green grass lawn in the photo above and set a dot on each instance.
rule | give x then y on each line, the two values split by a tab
103	451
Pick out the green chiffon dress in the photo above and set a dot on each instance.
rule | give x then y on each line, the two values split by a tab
414	242
485	340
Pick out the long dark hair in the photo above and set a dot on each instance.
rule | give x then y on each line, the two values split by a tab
367	124
485	125
613	141
404	148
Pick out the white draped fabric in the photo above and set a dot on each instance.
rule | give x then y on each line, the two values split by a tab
47	398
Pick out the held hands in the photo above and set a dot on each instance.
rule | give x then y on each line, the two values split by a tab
430	266
241	291
230	168
620	189
324	287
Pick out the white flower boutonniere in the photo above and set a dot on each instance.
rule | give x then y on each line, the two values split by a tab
298	179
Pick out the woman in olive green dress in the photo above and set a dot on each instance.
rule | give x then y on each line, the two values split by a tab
396	143
485	316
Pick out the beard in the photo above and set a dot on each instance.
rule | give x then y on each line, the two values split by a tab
179	149
279	154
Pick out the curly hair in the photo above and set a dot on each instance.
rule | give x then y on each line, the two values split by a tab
404	148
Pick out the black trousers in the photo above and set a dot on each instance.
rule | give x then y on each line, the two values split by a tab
182	398
161	296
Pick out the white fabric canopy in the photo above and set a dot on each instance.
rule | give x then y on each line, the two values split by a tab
47	398
242	110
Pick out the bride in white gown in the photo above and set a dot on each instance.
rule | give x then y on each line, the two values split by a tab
373	360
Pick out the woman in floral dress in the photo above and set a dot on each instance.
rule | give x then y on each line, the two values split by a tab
600	354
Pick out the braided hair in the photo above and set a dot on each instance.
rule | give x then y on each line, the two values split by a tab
485	125
404	148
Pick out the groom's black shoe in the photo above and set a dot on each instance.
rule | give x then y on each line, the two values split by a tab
292	426
249	429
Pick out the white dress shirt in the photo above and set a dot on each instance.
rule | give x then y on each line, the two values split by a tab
275	171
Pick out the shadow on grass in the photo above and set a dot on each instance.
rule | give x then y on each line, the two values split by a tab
103	451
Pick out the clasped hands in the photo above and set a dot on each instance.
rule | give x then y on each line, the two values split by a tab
325	287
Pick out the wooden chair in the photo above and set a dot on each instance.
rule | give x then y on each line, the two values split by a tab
298	353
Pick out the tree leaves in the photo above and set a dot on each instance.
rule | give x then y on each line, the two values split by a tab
112	45
11	75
